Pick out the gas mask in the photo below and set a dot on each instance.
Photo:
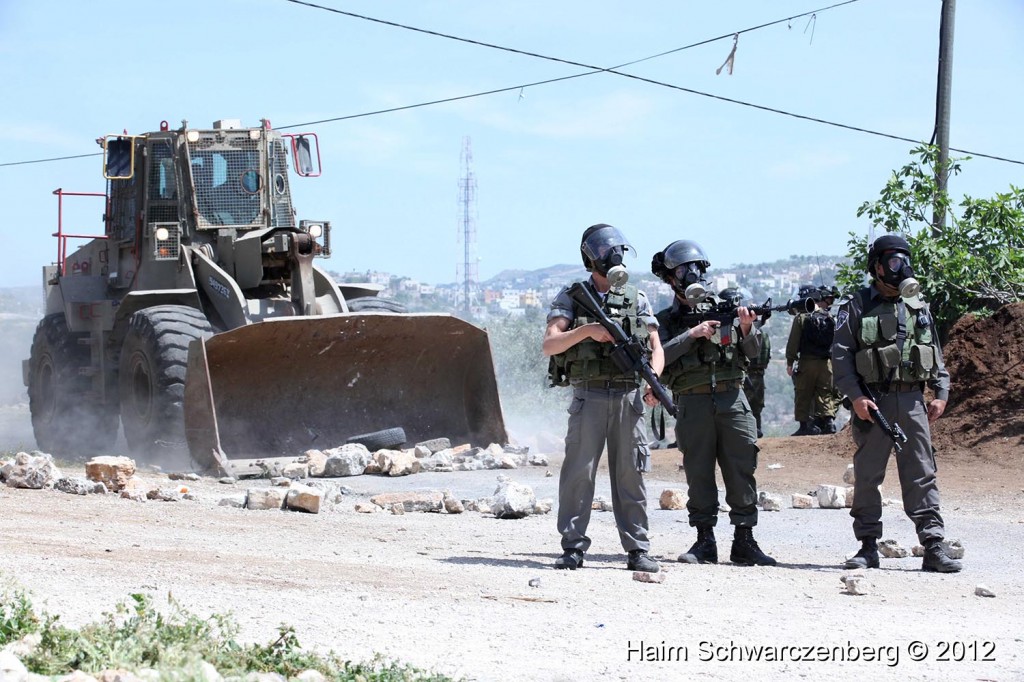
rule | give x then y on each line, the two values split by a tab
899	274
610	265
603	251
688	280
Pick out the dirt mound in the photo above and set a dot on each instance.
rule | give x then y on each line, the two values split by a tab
985	359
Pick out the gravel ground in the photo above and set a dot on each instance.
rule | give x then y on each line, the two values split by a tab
453	593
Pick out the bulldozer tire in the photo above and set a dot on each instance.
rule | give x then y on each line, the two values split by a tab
380	440
151	377
375	304
68	419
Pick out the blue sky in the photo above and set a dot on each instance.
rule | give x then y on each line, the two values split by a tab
659	163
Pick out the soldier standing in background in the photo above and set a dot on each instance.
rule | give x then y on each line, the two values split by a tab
808	361
886	349
607	407
753	385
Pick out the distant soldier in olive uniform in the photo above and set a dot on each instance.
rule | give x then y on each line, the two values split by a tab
808	361
704	369
607	407
753	386
886	349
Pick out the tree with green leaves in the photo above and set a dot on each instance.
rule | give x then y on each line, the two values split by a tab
974	264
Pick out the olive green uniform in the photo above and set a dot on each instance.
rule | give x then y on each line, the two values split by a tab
891	346
714	423
753	387
814	396
606	410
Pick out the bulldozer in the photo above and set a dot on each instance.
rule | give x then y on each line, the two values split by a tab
199	322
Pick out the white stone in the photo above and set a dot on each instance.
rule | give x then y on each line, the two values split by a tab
856	584
366	508
265	498
601	504
799	501
672	498
351	459
771	503
891	549
304	498
848	476
452	505
543	506
831	497
35	471
430	501
983	591
512	500
11	668
295	470
848	500
538	460
644	577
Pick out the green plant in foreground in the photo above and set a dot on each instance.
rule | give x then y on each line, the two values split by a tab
136	635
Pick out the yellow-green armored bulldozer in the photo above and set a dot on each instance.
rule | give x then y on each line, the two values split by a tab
198	317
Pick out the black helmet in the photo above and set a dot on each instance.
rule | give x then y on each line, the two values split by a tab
597	240
678	253
887	242
807	291
731	295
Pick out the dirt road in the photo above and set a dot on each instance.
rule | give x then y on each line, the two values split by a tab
452	593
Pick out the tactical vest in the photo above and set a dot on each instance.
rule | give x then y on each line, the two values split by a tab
589	359
764	356
817	330
708	361
879	357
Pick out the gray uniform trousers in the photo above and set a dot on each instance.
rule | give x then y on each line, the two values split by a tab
718	428
596	417
915	465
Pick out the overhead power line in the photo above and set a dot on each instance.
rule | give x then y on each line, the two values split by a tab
592	70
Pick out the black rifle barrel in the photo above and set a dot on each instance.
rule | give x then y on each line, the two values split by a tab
581	294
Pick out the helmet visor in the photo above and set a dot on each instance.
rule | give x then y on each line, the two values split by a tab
600	243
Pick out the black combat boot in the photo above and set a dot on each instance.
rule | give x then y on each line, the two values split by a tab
571	559
639	560
705	550
807	428
825	424
937	561
867	557
745	551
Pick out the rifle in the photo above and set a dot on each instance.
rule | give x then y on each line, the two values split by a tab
894	431
628	355
725	313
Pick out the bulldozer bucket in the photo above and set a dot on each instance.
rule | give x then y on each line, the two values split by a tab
277	388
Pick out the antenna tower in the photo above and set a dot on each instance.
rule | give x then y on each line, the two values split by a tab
466	273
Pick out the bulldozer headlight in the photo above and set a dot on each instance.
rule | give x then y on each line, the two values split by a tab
316	230
162	234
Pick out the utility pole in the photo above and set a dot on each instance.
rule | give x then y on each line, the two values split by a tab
942	106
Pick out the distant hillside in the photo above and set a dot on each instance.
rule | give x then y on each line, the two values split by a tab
21	301
532	277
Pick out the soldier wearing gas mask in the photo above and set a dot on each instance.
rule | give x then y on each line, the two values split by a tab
607	408
886	350
705	368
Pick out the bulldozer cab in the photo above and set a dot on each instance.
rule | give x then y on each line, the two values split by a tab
209	324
